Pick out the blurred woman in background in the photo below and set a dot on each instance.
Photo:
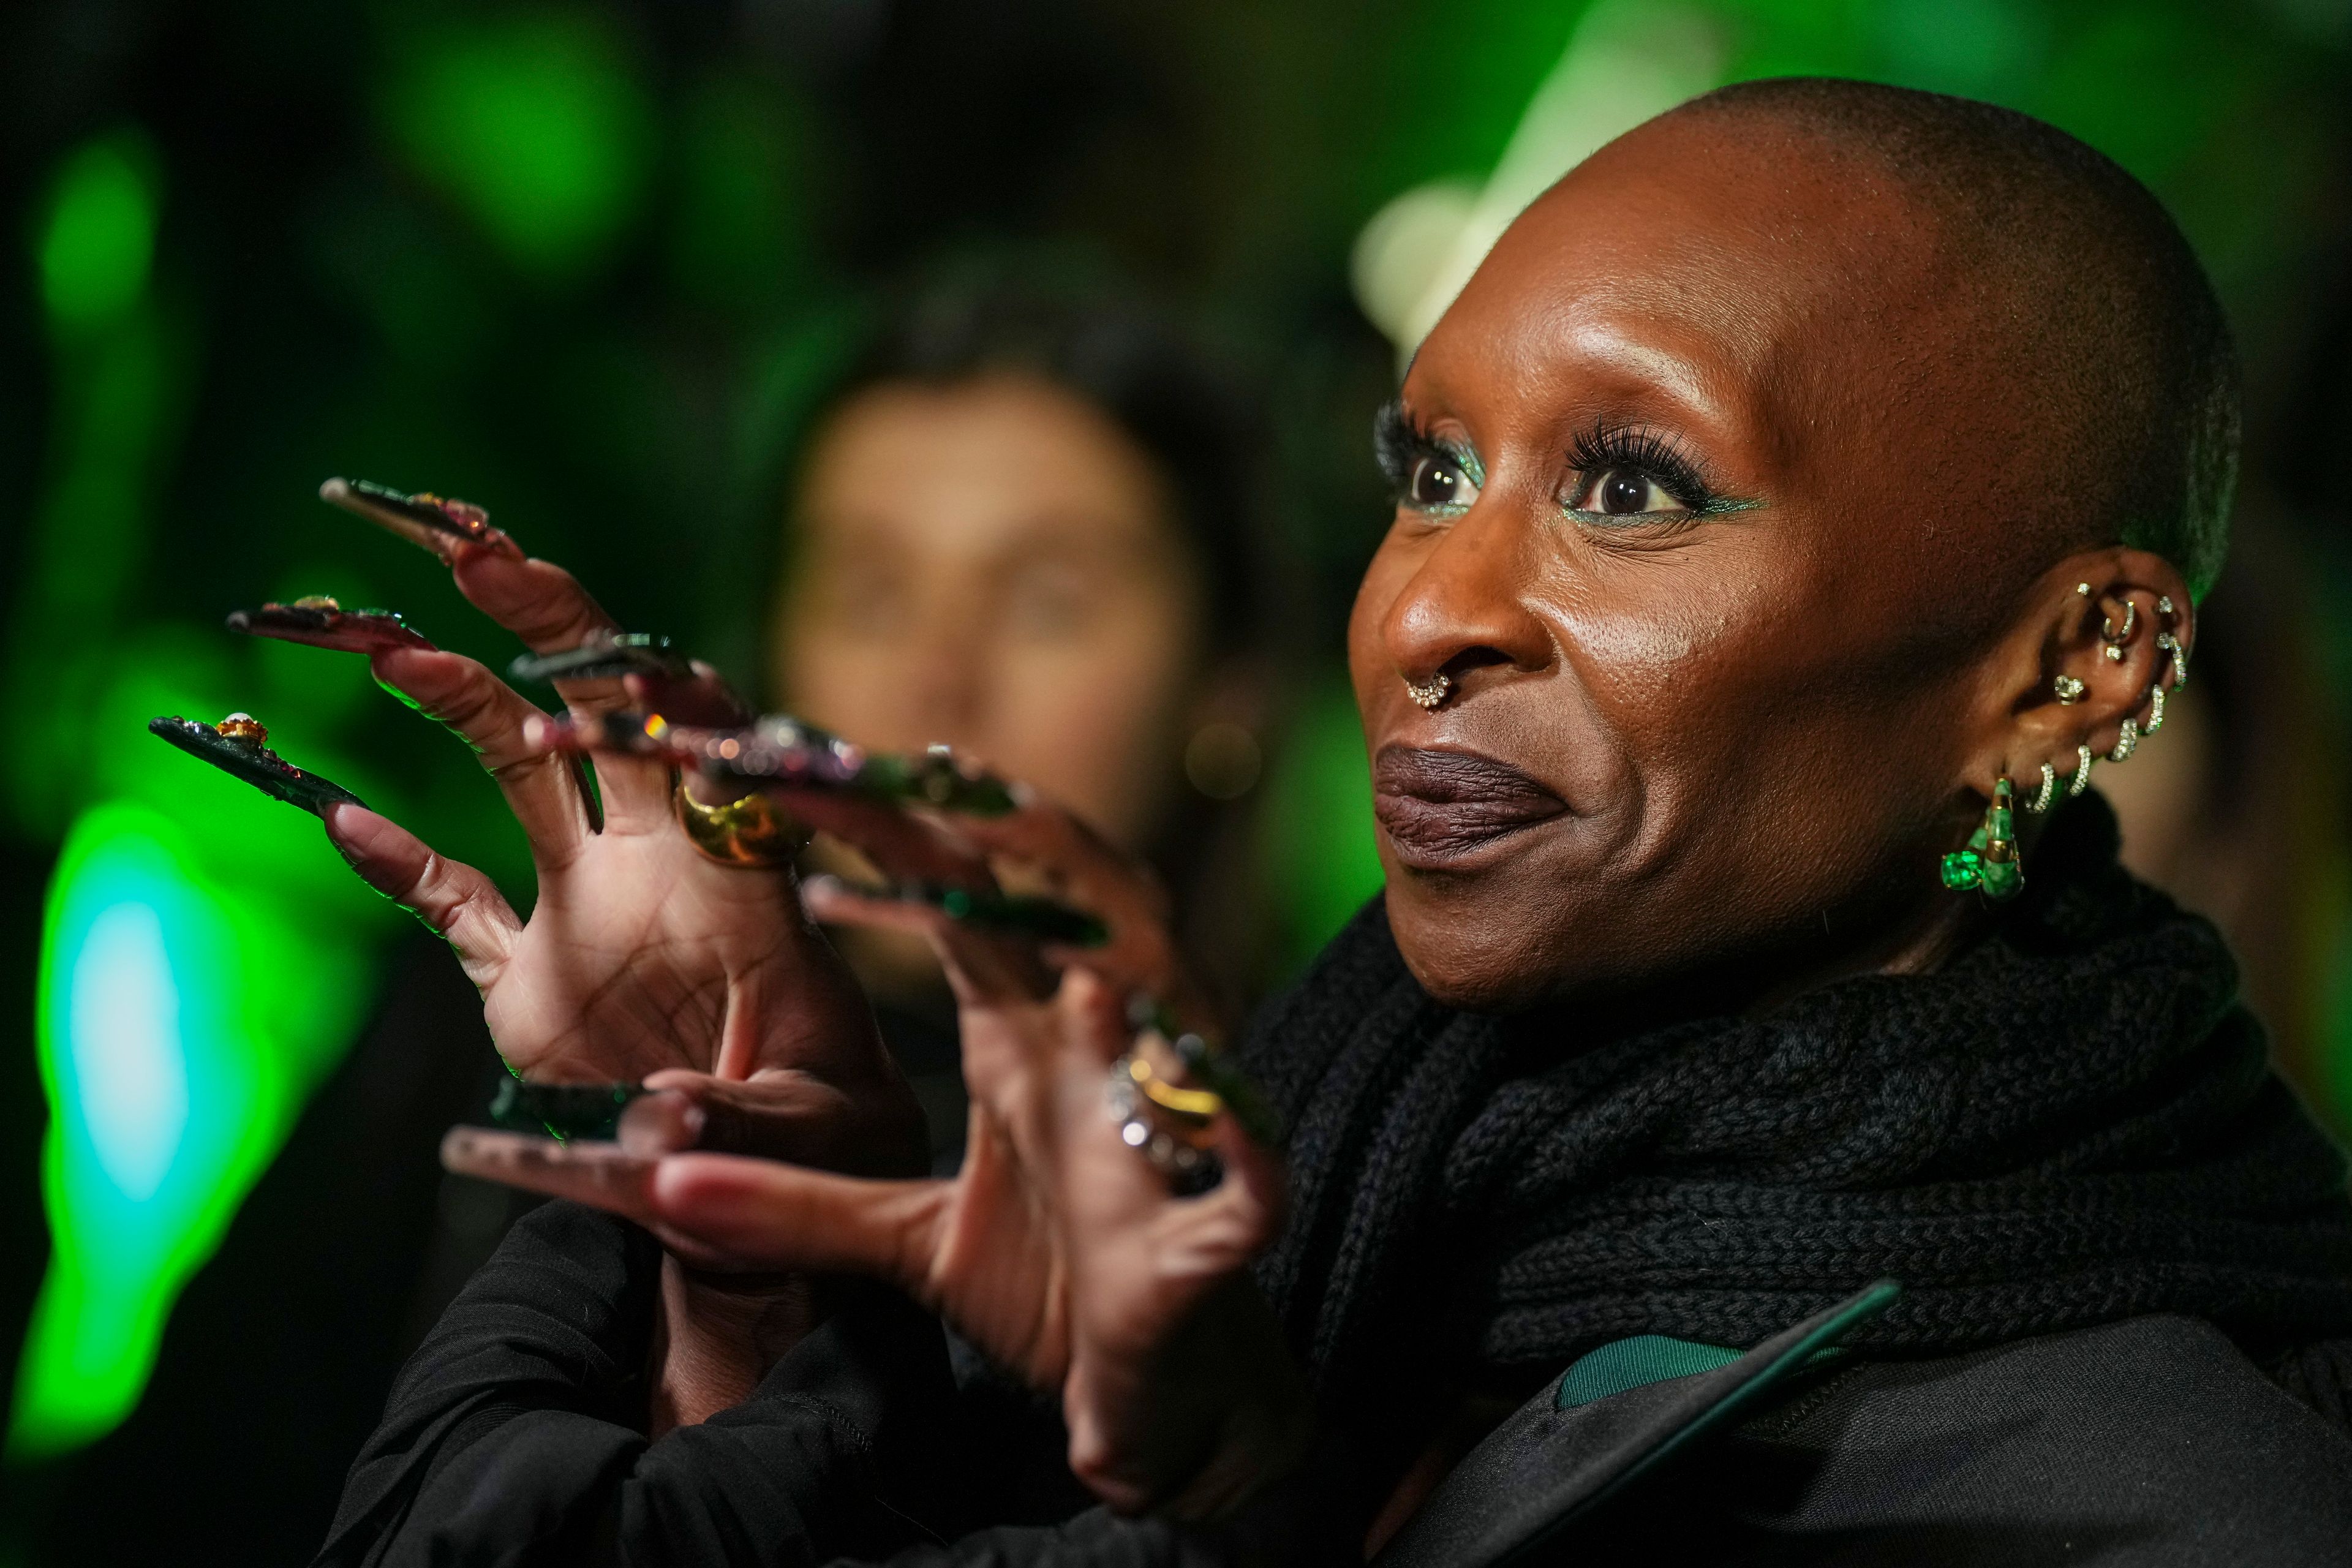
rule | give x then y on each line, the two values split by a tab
1025	524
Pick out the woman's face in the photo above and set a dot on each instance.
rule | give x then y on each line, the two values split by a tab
1673	519
991	564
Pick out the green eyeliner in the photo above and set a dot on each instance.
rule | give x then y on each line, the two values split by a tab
1712	509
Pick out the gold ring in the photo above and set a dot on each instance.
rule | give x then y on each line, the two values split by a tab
750	832
1193	1104
1169	1125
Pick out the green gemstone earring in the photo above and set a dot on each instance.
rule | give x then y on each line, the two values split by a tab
1989	863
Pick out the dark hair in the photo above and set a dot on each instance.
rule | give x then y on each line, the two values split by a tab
2081	270
1131	360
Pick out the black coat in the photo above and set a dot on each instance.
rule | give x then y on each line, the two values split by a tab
516	1437
2064	1144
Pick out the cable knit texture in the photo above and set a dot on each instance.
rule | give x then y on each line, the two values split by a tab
2070	1123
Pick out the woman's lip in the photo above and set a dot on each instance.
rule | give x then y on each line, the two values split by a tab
1441	806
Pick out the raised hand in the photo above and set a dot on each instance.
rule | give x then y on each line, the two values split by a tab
1057	1248
639	955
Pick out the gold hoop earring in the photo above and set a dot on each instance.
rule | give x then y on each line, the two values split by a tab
2081	780
2125	742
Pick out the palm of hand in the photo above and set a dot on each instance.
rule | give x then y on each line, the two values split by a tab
641	956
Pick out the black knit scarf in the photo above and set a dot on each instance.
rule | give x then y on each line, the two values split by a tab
2070	1122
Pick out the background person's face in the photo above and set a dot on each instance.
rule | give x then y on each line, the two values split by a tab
991	564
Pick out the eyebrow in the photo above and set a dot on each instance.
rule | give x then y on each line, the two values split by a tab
1673	373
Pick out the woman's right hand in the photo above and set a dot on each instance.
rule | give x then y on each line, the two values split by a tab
639	955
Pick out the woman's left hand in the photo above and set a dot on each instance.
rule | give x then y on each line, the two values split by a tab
1057	1250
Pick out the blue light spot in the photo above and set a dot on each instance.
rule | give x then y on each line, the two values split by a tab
123	1040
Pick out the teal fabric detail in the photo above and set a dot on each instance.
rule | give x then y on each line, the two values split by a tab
1645	1359
1814	1343
1634	1363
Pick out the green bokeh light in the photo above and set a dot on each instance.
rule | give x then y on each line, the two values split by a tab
533	124
204	953
95	247
179	1024
1324	858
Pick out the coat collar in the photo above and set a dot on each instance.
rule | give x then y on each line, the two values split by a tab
1614	1415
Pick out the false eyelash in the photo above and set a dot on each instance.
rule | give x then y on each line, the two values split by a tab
1398	443
1656	457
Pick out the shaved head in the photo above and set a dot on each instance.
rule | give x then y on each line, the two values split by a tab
2078	295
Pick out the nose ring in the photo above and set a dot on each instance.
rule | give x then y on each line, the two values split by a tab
1431	694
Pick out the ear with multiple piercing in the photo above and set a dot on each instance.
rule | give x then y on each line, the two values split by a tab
1989	863
2070	690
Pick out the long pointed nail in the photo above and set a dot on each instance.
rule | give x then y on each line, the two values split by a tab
660	1121
426	520
596	1171
318	621
605	657
239	747
563	1110
583	779
1013	914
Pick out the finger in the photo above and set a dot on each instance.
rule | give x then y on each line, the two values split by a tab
983	969
451	898
784	1113
665	1122
604	1175
601	1175
763	1214
1076	856
1114	886
546	798
1254	1196
537	600
1094	1020
545	606
703	698
901	845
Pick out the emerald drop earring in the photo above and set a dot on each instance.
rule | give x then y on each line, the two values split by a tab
1989	863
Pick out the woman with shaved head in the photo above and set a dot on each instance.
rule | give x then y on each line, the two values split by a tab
1760	1122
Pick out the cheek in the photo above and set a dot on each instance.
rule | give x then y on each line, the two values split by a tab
1665	644
858	685
1752	730
1091	719
1648	709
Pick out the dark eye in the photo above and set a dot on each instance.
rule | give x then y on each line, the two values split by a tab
1438	484
1624	492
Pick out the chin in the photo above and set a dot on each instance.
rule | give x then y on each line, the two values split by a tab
1472	949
